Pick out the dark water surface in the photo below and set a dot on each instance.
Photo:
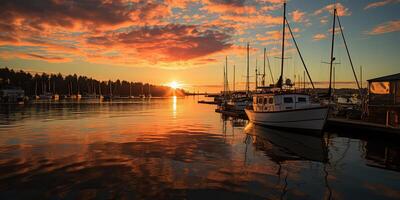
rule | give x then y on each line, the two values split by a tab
178	149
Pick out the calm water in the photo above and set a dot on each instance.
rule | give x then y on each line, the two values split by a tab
178	149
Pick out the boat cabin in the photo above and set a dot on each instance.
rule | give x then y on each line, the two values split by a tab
384	100
280	102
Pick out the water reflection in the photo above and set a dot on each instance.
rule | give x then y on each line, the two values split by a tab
153	150
174	106
284	145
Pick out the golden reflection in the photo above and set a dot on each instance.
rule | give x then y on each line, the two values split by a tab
174	106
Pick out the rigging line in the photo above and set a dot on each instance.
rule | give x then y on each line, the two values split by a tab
280	81
301	57
270	71
348	54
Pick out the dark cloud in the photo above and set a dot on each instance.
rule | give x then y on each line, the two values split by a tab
229	2
36	13
170	42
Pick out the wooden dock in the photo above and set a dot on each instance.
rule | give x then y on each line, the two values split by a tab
362	125
241	115
207	102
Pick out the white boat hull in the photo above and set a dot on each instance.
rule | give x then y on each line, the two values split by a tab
309	119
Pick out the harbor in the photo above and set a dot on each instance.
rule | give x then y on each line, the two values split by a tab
210	99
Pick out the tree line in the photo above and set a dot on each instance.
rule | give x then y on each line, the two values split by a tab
36	84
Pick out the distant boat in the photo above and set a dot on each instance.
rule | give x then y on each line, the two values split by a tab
46	95
12	95
277	107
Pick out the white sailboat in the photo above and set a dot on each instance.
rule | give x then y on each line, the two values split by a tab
282	108
287	110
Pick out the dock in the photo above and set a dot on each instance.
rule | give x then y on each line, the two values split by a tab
236	114
207	102
362	125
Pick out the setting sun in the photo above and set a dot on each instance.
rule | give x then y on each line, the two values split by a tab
174	84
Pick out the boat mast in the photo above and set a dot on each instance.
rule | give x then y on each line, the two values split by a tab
223	67
248	67
130	89
270	71
149	90
263	77
332	58
280	81
234	75
99	88
109	84
36	88
256	76
77	83
226	74
361	77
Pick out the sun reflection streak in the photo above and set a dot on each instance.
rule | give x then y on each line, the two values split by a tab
174	106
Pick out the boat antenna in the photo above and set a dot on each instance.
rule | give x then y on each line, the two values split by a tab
280	81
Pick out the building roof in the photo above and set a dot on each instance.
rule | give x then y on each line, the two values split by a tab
392	77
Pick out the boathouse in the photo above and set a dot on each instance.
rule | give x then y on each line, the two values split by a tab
384	100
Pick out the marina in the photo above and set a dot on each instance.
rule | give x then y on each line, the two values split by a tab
117	149
214	99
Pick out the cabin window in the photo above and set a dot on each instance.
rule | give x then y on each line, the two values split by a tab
259	100
271	100
265	100
379	88
301	100
288	100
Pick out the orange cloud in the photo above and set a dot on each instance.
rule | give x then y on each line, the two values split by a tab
341	10
380	4
387	27
319	36
228	6
297	16
168	43
33	56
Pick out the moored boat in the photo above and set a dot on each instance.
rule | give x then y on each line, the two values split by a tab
286	110
279	106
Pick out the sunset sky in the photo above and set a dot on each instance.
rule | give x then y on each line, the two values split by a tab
187	40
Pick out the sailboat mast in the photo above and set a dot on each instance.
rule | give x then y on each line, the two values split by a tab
283	45
226	74
99	88
263	77
248	67
361	77
234	76
332	48
109	84
36	87
256	76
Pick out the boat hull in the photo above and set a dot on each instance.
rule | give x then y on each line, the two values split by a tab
307	119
